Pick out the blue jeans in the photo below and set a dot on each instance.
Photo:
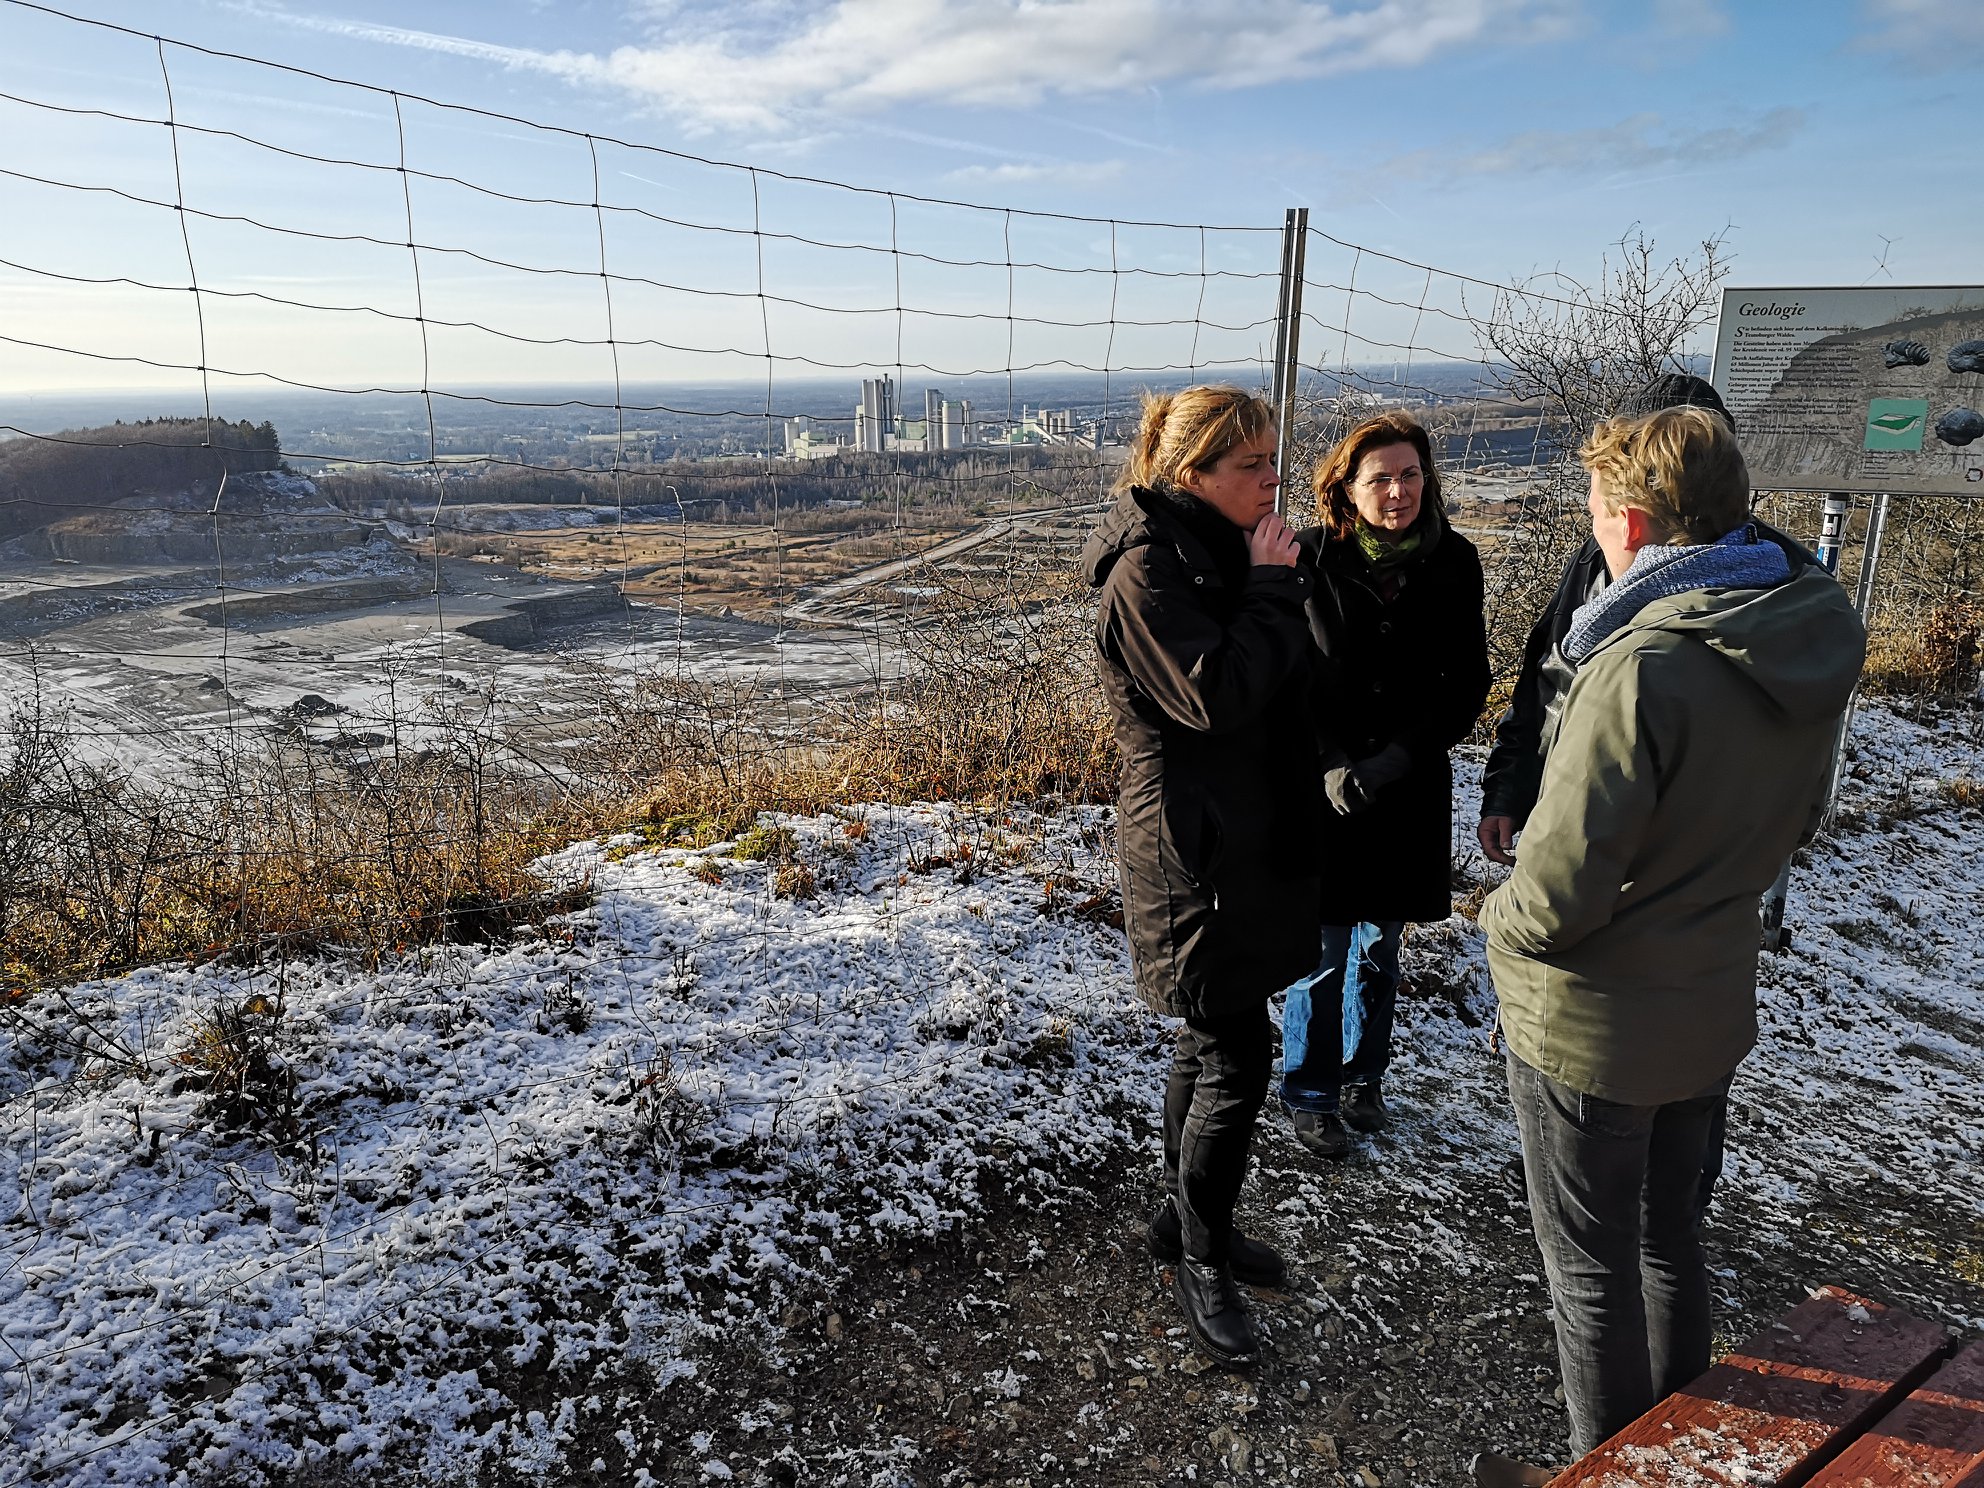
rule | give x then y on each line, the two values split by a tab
1336	1027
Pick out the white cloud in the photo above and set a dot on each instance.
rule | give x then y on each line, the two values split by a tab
1691	17
1929	33
1059	173
577	66
1643	142
758	66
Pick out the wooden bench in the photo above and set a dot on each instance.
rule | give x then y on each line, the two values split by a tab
1782	1405
1933	1439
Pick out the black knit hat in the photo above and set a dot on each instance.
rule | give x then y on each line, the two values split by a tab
1676	390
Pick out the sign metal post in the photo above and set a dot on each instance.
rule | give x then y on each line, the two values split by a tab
1832	539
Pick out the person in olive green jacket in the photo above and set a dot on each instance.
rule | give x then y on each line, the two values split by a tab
1690	759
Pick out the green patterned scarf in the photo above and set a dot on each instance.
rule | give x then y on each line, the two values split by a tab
1381	554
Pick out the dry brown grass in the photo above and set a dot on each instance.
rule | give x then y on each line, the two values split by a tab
1930	652
267	850
274	846
998	703
1928	604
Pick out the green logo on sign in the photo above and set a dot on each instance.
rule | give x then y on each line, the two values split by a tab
1896	423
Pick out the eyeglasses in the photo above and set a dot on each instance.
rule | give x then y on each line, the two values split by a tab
1386	482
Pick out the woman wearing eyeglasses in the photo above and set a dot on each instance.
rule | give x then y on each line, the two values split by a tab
1397	617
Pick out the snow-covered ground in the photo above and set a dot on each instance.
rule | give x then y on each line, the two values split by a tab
509	1174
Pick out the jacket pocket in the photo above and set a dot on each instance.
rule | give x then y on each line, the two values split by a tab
1194	835
1599	1117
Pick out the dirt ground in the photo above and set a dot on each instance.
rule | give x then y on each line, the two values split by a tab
716	566
1041	1346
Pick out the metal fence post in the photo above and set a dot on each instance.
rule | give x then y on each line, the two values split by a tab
1288	334
1832	539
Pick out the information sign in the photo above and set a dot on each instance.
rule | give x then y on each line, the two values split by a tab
1856	389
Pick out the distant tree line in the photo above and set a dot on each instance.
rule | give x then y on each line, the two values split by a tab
107	465
744	489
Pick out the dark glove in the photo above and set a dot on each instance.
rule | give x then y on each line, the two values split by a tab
1354	787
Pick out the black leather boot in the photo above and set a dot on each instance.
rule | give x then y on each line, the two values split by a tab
1252	1262
1214	1314
1364	1108
1321	1132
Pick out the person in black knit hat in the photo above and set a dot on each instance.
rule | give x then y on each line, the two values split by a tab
1514	772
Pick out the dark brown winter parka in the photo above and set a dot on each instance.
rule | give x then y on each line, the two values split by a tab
1207	666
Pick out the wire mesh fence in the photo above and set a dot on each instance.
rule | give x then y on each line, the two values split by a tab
623	497
548	439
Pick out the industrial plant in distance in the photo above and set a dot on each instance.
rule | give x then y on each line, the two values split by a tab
947	424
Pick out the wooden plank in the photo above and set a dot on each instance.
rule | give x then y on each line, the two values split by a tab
1933	1439
1778	1408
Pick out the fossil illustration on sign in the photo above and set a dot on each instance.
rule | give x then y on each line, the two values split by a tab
1960	426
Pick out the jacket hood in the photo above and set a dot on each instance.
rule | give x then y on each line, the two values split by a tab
1799	642
1124	526
1142	516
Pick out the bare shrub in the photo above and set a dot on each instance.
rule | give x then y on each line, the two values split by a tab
232	1056
271	845
699	757
998	700
666	1121
375	857
1934	654
88	857
1928	602
1573	350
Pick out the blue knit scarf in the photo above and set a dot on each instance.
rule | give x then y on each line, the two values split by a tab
1736	560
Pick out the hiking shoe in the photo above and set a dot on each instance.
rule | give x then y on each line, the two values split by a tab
1364	1109
1251	1261
1321	1132
1215	1316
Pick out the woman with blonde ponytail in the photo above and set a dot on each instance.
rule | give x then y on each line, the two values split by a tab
1204	655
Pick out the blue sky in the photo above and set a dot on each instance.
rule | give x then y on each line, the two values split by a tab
1497	138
